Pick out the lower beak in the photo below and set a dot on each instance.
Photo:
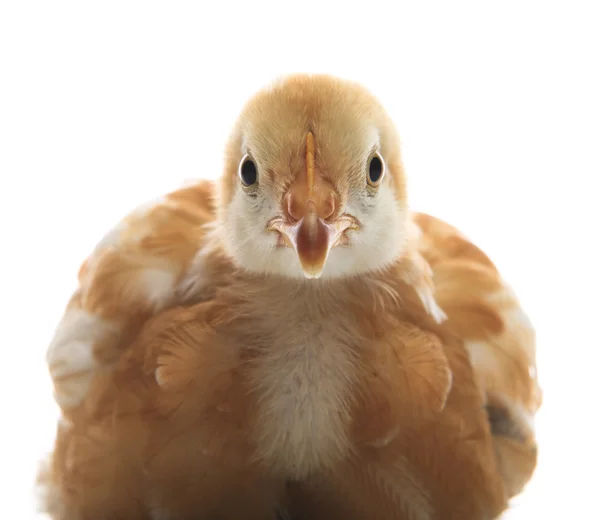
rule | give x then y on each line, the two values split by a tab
313	238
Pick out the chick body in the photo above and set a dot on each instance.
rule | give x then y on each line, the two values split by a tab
201	413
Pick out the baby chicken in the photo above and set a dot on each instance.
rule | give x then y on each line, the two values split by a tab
271	347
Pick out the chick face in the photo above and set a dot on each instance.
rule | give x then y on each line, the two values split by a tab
313	184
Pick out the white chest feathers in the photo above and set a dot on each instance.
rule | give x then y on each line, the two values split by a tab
303	388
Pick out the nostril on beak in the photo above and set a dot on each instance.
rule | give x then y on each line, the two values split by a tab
329	206
294	210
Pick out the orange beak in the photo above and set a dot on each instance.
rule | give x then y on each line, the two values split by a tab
313	225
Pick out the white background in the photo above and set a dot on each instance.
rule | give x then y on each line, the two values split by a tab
104	105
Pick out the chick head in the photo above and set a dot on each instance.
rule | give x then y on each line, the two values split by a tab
313	184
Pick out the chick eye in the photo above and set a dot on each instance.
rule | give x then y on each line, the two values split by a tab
247	171
376	170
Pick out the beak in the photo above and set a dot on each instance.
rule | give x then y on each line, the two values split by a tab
313	225
313	238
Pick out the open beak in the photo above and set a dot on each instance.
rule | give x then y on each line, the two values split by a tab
313	225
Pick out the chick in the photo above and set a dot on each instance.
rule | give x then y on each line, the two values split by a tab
272	347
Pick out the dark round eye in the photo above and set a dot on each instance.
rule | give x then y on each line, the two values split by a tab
247	171
376	170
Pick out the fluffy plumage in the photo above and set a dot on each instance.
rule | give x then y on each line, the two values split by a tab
201	374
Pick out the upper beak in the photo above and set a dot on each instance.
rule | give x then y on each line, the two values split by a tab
313	225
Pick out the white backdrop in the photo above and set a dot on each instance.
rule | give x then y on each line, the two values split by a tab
104	105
